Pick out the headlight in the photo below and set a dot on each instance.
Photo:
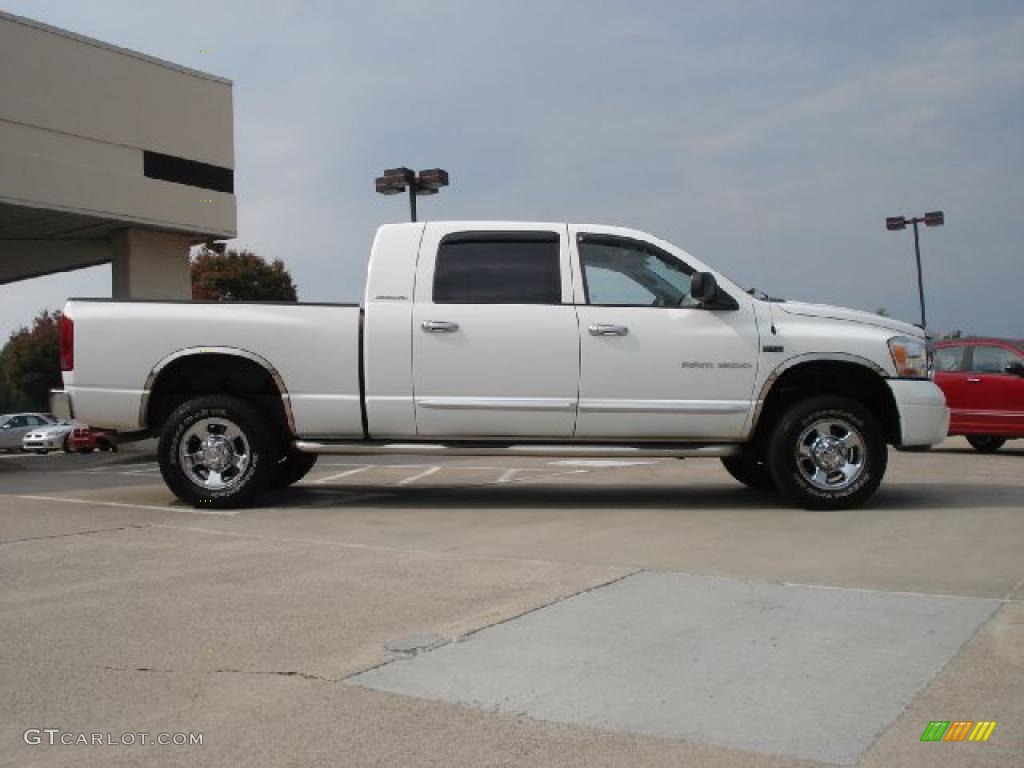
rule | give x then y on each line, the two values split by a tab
910	356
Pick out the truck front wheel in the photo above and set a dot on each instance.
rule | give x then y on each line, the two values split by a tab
827	452
217	451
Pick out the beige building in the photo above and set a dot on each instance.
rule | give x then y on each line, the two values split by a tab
108	155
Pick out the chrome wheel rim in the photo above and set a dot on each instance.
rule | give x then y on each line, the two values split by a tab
830	454
214	454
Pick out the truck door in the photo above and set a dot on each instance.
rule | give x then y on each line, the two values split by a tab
495	340
654	362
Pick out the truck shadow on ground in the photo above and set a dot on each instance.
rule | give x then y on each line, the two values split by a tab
903	497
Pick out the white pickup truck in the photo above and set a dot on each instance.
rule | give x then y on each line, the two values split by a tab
508	338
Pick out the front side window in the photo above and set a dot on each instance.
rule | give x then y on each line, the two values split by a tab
991	359
948	359
513	269
623	272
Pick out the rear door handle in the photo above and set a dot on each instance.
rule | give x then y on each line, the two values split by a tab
439	326
600	329
973	379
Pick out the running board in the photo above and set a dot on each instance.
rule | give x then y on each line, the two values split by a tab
551	450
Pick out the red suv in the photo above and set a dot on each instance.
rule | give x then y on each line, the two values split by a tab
983	380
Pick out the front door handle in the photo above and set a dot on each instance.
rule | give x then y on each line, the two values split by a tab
973	379
439	326
600	329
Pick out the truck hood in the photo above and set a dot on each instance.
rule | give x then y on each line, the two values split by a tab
849	315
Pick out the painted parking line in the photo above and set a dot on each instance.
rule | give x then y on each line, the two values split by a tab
533	478
340	475
508	475
142	468
599	463
505	475
419	471
419	476
126	505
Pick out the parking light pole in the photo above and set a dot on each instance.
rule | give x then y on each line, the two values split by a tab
397	180
930	219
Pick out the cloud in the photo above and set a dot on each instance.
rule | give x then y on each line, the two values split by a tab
768	138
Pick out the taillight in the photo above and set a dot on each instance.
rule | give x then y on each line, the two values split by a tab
67	343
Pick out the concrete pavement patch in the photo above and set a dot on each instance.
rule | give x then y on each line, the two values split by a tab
798	671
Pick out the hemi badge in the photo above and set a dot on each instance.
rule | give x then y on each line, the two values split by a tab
772	348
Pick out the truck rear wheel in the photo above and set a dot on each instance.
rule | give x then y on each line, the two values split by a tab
750	469
217	451
827	452
292	467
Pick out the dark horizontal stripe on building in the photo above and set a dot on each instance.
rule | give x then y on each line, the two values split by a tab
191	172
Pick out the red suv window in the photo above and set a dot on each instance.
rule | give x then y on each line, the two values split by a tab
950	359
988	358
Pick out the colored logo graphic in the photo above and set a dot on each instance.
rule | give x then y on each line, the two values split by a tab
958	730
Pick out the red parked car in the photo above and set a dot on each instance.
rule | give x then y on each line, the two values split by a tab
983	380
85	439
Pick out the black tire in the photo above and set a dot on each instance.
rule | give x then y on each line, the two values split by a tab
986	443
292	467
67	444
823	423
750	469
241	436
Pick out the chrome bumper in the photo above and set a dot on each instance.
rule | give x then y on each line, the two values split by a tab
60	404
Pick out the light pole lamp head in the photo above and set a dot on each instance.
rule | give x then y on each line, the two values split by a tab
934	219
395	180
431	180
894	223
386	186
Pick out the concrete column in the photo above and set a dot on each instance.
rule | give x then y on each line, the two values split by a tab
150	265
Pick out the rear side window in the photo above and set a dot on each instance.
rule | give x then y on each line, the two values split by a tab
490	269
949	359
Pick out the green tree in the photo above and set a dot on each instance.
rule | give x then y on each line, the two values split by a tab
240	276
7	401
30	363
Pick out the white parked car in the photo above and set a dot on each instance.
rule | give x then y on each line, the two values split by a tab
509	338
14	427
51	437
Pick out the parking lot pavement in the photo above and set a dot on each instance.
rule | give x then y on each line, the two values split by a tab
513	612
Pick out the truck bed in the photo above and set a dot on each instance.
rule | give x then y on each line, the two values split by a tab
311	349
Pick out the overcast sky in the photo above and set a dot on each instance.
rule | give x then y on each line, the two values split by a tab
770	138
